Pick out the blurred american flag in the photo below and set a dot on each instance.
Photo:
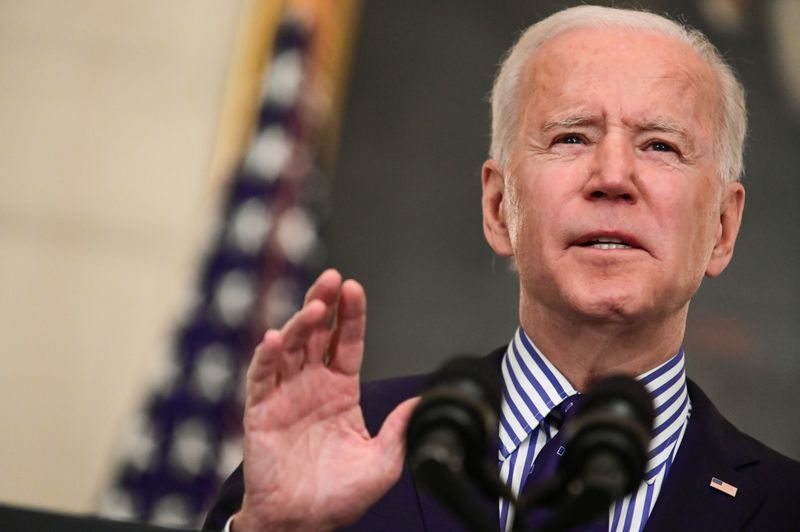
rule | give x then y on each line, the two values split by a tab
265	252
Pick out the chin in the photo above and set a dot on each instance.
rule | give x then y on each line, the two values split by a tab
609	305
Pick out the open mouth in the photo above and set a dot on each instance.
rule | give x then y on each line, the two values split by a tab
606	243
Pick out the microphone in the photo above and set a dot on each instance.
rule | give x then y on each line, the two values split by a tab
606	452
451	437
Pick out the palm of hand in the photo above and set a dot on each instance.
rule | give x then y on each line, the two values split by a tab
309	439
310	463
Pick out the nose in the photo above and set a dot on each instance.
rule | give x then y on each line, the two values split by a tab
612	175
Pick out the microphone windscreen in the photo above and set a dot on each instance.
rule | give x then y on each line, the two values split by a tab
607	440
620	391
457	416
479	377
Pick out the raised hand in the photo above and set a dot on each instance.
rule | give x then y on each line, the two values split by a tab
309	462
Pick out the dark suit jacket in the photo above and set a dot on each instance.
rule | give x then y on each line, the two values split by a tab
768	497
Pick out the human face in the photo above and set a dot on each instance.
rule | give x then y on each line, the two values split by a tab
611	204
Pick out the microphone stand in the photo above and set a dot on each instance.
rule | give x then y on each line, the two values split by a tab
577	509
451	488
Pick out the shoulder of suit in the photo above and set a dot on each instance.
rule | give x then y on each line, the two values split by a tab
749	451
379	397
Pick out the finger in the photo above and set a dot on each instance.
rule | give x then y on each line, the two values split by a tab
326	289
347	342
297	333
262	375
317	345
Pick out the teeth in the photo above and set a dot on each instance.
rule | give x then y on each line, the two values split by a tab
609	245
606	242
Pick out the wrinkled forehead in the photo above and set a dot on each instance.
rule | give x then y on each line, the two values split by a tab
567	64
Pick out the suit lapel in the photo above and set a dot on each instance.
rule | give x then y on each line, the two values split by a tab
711	447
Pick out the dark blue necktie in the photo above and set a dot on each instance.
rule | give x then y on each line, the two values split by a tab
546	463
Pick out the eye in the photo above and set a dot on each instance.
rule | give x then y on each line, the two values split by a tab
661	146
569	139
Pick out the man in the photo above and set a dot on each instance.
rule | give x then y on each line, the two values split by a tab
613	186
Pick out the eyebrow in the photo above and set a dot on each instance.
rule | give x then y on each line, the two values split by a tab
571	121
666	126
586	119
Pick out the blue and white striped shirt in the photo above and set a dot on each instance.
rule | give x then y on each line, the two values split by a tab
533	387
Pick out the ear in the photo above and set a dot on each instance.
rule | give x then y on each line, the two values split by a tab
730	219
495	206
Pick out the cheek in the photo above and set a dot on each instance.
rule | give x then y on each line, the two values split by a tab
537	245
706	218
689	229
707	231
523	223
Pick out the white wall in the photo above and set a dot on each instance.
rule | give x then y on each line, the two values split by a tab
108	110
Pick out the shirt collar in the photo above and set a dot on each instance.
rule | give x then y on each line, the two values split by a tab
533	386
667	386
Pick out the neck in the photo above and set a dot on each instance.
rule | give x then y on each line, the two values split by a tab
586	350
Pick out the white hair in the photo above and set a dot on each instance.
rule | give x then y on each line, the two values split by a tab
731	123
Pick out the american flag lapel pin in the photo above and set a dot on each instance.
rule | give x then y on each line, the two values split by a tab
724	487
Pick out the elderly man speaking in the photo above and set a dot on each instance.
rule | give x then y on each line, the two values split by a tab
613	186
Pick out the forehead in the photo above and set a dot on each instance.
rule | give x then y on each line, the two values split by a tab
630	73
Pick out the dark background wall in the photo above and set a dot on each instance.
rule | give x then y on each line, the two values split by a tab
406	217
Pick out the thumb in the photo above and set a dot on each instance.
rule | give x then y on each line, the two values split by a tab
391	438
